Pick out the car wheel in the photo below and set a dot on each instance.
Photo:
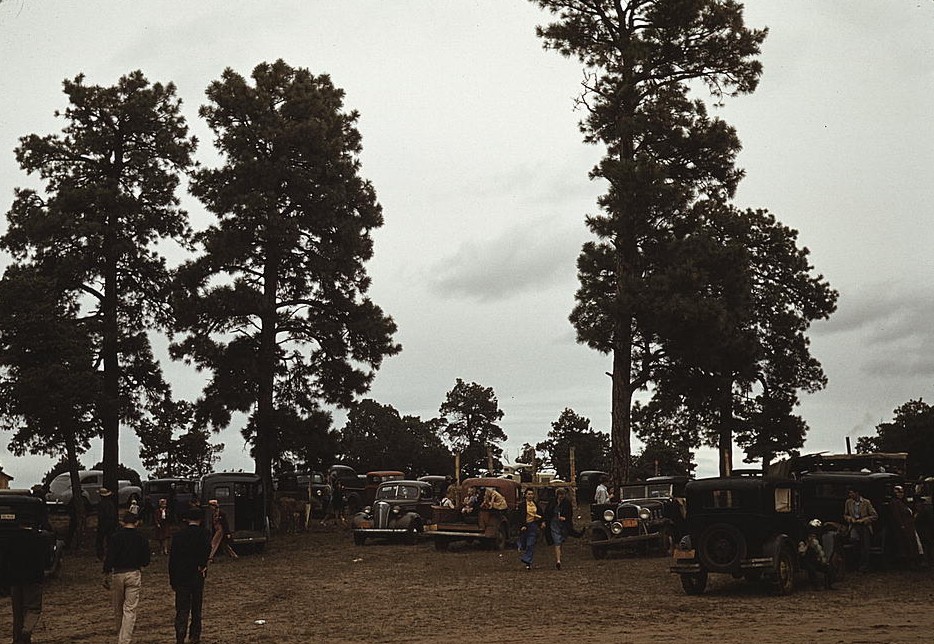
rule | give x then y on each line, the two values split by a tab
785	572
441	544
359	538
600	551
411	538
694	583
721	547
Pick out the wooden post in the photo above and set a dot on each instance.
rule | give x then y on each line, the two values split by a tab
489	460
572	484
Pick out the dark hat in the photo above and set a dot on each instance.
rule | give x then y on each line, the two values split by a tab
130	517
194	514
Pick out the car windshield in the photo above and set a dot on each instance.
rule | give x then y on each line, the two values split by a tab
659	490
317	478
60	483
397	492
633	492
158	487
746	499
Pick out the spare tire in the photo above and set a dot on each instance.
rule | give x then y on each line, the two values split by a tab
721	547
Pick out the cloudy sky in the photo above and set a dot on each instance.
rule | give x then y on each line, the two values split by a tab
470	138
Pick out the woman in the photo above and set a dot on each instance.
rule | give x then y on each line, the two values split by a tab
558	523
161	520
221	531
909	545
528	533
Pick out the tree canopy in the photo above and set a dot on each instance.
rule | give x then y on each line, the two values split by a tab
911	430
470	415
591	447
109	200
275	308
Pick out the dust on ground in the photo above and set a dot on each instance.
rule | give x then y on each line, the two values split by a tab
319	587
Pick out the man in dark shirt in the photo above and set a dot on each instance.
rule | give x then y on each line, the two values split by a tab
127	554
188	565
106	520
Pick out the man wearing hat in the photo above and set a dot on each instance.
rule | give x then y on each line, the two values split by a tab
127	554
188	565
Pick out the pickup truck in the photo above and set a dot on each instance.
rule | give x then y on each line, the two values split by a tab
492	528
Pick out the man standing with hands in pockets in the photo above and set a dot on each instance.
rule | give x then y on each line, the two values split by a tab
188	565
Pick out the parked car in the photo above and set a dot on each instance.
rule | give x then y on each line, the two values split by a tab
176	491
742	526
24	525
493	528
360	489
824	496
243	499
91	482
307	487
401	510
587	482
649	514
439	484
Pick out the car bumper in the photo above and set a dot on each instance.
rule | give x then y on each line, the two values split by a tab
384	532
623	541
683	566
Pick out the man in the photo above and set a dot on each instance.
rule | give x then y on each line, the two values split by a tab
188	565
24	550
602	494
127	554
859	516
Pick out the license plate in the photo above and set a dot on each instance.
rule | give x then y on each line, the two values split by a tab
684	554
630	523
7	517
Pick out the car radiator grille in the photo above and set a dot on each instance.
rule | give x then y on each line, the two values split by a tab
381	514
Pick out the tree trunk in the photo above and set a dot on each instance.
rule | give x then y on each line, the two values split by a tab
77	516
110	409
725	441
265	405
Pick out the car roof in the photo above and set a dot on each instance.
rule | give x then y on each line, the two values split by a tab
739	483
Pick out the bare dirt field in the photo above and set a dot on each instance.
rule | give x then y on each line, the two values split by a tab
319	587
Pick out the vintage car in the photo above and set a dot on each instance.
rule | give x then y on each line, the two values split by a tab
649	514
24	528
177	491
823	496
307	487
400	510
91	482
243	499
360	489
742	526
587	482
494	528
438	483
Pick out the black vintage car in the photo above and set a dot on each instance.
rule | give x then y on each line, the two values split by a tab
823	496
400	510
649	514
243	498
306	487
742	526
25	531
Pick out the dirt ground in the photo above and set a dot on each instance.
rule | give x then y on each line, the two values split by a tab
319	587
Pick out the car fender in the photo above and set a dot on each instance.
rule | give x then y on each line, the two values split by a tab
408	520
775	544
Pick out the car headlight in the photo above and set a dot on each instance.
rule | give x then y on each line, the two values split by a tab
608	515
367	510
644	514
395	510
616	527
318	492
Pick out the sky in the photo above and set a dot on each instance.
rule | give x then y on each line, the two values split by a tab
470	139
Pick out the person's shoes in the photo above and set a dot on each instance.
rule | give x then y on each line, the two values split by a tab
557	565
528	566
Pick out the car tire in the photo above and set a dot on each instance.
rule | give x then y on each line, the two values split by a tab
599	552
785	572
721	547
411	538
666	542
441	544
359	539
694	583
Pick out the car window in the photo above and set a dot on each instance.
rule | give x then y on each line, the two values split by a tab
89	479
386	492
633	492
222	492
659	490
782	499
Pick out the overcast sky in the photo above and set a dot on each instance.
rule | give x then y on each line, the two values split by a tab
470	139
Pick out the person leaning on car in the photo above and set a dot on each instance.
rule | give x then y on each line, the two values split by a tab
859	516
127	554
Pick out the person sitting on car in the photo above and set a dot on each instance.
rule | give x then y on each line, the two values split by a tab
447	501
493	500
813	558
471	501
